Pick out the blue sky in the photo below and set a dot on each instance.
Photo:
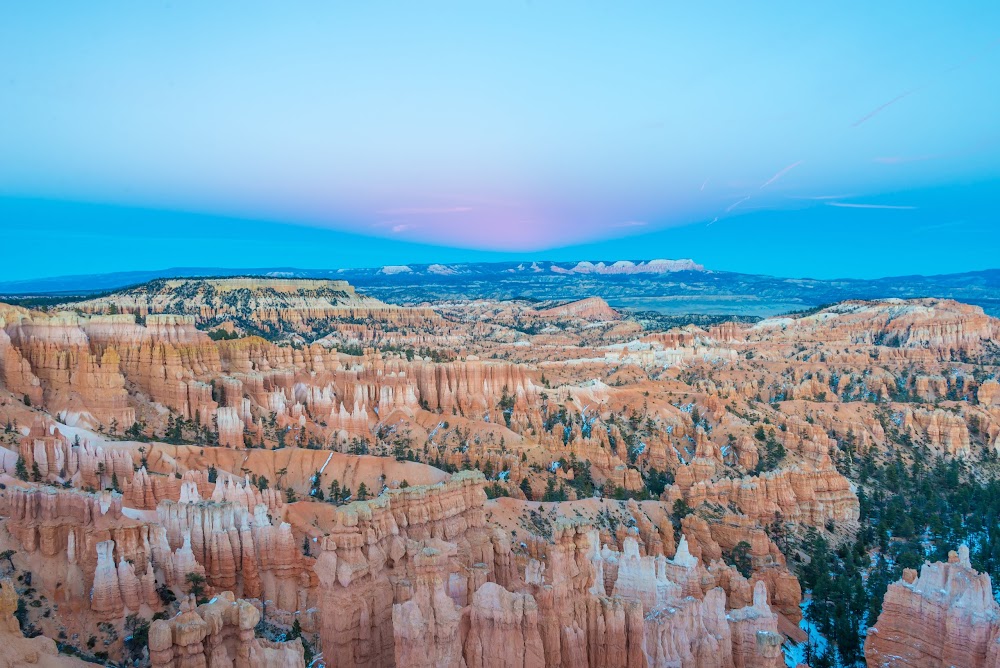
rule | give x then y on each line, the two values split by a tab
792	138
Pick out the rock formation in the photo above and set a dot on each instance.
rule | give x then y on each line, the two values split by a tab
593	309
215	634
946	616
503	630
560	609
314	453
16	651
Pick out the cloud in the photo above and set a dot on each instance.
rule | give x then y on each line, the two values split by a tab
736	204
780	174
881	108
902	160
850	205
941	226
819	197
630	223
426	211
396	229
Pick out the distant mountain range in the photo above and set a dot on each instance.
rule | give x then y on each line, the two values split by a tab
665	286
84	284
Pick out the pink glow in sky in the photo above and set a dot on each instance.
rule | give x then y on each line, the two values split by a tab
496	126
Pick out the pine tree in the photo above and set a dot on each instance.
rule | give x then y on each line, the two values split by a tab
196	586
20	469
681	510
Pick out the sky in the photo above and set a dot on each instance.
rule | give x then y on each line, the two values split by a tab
796	139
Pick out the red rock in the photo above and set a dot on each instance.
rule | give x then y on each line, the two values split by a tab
593	309
218	633
945	617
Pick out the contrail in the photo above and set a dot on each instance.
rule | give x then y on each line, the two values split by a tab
736	204
849	205
818	197
421	211
900	160
894	100
971	59
780	174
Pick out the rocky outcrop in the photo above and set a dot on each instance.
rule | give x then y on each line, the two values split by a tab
946	616
216	634
503	630
266	304
230	427
15	371
942	430
234	549
943	326
628	267
575	604
105	596
426	627
368	559
593	309
755	637
806	493
84	384
69	527
16	650
744	423
988	393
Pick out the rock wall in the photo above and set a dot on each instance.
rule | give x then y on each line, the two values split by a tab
16	650
807	492
234	549
218	634
413	578
367	562
946	616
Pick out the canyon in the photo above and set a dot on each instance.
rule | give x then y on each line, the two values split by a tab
278	471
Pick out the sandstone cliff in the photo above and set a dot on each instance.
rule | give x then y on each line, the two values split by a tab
945	616
16	651
217	634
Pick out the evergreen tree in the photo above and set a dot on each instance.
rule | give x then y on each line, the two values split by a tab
20	469
681	510
196	586
741	558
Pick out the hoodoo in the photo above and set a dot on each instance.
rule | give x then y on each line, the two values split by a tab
278	472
